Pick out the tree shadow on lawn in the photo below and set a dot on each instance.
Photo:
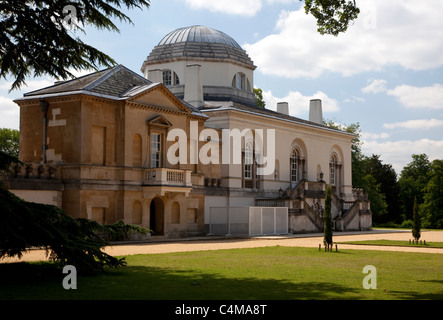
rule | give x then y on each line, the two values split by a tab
21	281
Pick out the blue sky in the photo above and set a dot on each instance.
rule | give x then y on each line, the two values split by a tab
385	72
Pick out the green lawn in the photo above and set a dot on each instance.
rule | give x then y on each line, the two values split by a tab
245	274
395	243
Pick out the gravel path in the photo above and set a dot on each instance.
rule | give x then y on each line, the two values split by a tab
212	243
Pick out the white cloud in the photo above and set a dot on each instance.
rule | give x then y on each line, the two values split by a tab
244	7
298	103
376	86
31	85
374	136
394	32
398	153
422	124
282	1
354	99
419	97
9	113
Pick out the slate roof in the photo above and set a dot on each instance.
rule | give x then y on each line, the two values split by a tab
118	83
270	114
112	82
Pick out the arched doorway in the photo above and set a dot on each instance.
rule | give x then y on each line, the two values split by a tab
157	216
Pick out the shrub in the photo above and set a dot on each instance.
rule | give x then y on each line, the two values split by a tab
407	224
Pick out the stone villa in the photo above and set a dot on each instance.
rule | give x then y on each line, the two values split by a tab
105	146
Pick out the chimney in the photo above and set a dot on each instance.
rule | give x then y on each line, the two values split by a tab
193	86
283	107
315	111
155	76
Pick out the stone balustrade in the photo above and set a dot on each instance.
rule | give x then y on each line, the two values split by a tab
167	177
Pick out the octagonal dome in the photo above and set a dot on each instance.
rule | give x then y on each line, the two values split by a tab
198	42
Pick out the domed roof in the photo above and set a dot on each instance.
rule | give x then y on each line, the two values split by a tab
198	42
199	34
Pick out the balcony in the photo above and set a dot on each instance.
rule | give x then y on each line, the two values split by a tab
162	180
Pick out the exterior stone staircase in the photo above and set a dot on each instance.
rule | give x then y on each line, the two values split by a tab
305	202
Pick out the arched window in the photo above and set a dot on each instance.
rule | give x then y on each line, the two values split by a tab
176	79
241	82
170	78
294	161
333	170
248	161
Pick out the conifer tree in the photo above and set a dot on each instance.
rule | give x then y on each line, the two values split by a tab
327	218
416	222
43	37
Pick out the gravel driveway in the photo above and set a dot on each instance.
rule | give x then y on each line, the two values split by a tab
217	243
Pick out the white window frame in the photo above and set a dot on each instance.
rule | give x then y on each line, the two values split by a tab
167	77
333	170
249	161
156	147
294	166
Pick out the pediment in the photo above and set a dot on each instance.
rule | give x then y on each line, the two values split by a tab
159	121
160	97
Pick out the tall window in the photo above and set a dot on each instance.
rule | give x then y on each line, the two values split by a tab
294	167
333	170
155	150
170	78
239	81
167	77
249	158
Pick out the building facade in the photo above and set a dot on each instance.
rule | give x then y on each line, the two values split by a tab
183	149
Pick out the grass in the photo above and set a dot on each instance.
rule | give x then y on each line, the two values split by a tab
272	273
395	243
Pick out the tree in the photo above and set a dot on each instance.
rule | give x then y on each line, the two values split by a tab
259	98
413	179
38	37
378	200
327	218
432	207
333	16
9	141
68	241
386	177
416	222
